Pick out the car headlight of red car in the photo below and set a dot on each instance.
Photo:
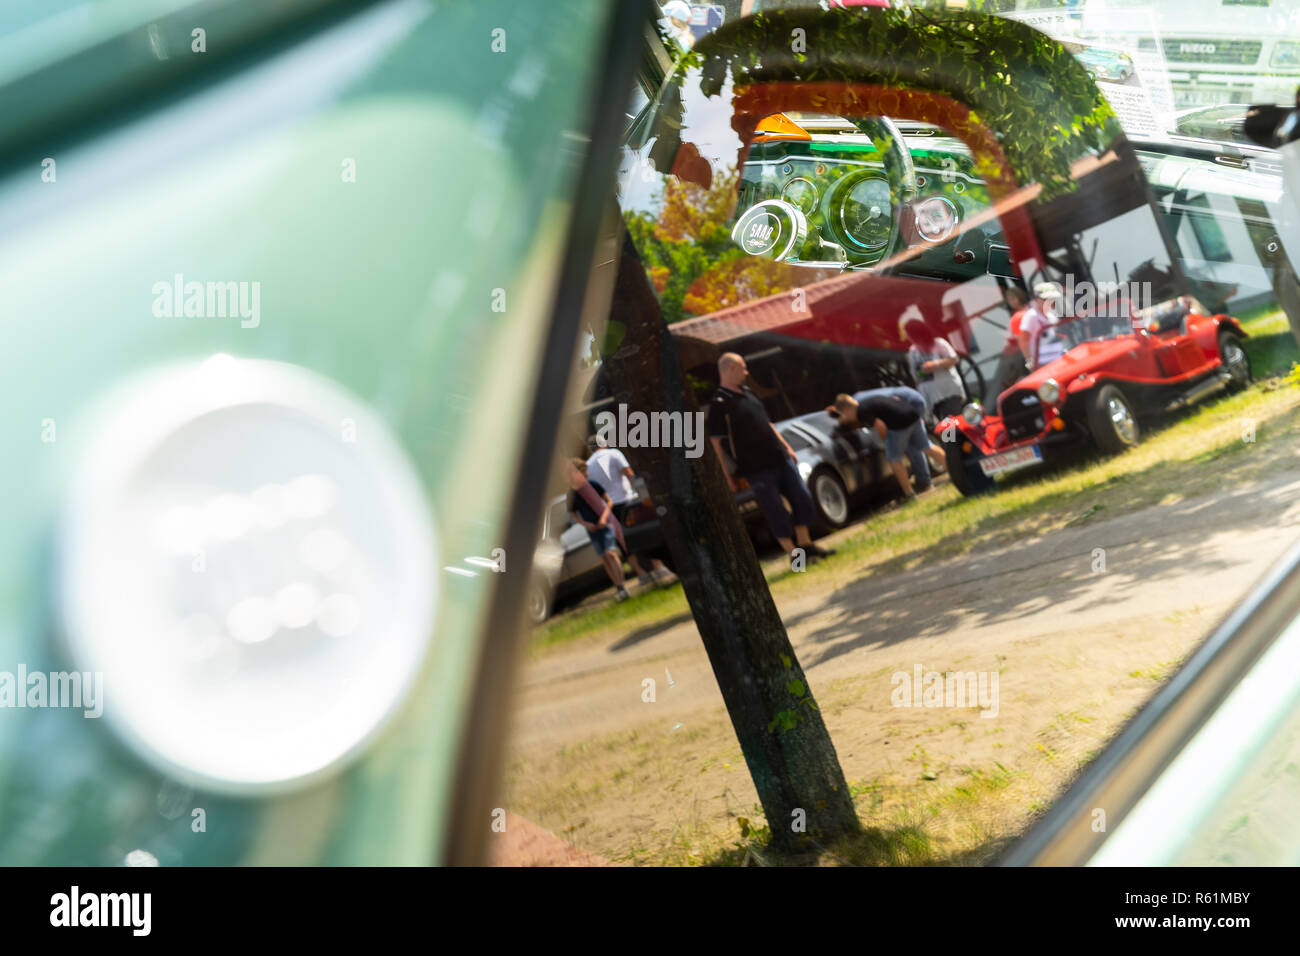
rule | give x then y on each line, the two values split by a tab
973	413
1049	392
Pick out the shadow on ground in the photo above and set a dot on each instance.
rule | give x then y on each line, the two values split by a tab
881	608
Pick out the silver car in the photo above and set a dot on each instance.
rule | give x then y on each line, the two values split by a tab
843	468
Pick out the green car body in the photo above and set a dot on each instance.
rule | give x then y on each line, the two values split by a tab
322	156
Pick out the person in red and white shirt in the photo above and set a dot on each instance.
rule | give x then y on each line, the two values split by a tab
1011	363
1039	341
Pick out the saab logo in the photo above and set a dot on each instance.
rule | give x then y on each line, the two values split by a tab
1196	48
761	235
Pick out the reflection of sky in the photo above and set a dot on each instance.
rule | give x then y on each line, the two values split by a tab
708	126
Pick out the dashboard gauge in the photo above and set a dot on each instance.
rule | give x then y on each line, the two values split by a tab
801	194
773	229
865	214
936	218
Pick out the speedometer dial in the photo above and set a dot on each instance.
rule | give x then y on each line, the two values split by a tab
801	194
866	214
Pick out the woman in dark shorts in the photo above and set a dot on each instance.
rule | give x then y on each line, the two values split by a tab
584	503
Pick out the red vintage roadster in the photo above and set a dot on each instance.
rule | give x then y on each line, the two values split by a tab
1114	374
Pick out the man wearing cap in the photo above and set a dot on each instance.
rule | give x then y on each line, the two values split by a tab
1038	339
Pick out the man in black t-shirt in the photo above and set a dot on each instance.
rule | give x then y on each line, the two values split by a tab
749	446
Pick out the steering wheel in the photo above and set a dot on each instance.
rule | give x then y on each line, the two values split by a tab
867	208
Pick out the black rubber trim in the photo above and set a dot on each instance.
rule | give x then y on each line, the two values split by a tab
478	765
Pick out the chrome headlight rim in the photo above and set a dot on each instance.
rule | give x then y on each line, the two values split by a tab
1049	393
972	413
141	420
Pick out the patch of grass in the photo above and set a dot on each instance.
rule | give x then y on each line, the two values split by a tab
1271	346
905	835
1159	672
1264	320
641	610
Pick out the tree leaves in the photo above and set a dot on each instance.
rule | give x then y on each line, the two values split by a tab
1037	99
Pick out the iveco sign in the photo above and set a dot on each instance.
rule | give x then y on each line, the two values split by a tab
1196	48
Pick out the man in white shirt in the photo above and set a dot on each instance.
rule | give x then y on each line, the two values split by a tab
609	468
1038	338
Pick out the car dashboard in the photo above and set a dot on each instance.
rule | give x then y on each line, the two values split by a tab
838	180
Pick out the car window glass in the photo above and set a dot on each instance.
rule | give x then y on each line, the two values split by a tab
805	224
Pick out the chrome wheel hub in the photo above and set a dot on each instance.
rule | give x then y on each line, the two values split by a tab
831	500
1122	419
1234	357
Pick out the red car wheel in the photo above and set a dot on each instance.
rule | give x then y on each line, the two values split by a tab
964	471
1111	420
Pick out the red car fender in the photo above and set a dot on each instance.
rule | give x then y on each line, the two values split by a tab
1231	322
1204	330
1080	383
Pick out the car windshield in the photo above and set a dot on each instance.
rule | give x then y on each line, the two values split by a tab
735	432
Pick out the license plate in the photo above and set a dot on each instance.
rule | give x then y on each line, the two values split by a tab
1011	460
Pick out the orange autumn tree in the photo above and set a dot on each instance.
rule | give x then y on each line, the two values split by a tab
689	257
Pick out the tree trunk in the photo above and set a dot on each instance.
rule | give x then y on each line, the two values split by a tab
780	729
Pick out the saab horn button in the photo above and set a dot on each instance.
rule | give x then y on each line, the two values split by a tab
774	229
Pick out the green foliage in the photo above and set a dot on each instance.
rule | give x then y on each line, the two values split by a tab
1035	97
788	719
674	264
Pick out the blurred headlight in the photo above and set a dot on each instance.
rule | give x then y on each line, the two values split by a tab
973	413
805	470
1049	391
248	560
1286	54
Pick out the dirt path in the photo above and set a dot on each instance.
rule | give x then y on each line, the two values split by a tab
1075	648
